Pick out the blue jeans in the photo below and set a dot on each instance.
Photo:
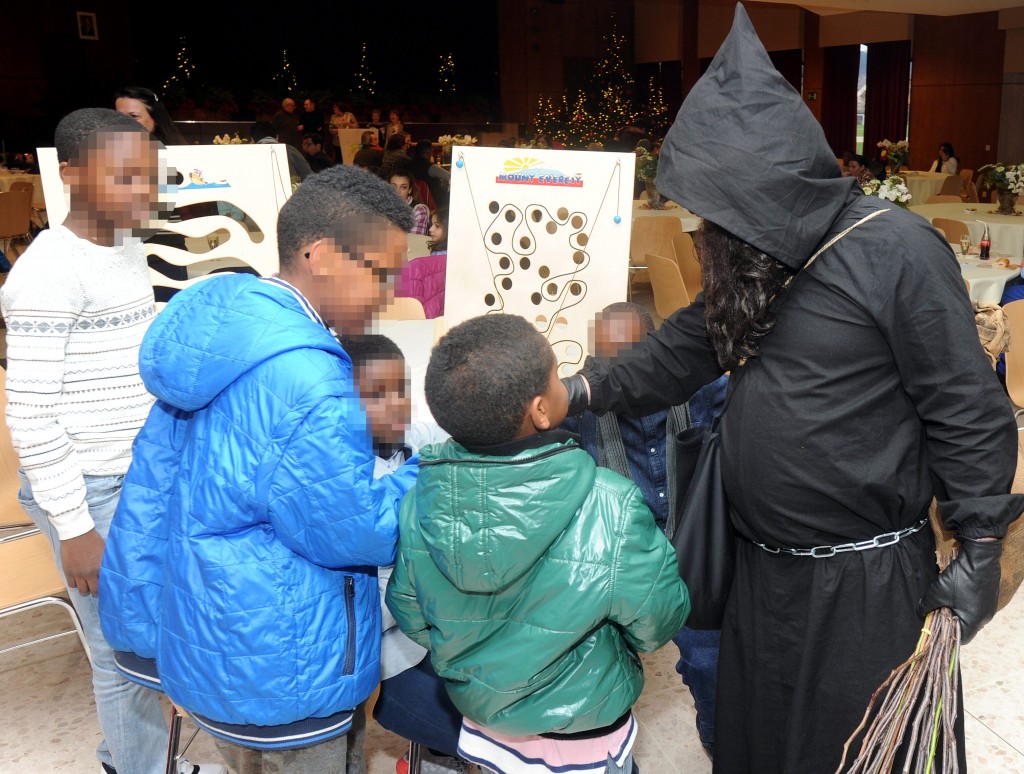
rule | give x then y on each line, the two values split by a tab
130	716
698	666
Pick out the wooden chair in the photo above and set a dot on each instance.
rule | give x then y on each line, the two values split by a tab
689	266
651	234
28	573
15	217
944	199
953	229
970	193
667	283
951	186
1015	355
967	175
403	308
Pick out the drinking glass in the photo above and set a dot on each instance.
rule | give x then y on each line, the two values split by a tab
965	244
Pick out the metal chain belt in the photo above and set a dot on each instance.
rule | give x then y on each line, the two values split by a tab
824	552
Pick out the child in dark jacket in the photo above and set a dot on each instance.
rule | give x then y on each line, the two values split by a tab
533	576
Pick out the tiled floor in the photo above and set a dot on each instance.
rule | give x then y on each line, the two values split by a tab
49	723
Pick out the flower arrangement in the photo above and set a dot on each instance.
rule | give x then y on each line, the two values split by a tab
226	139
893	189
1008	178
895	153
646	167
446	141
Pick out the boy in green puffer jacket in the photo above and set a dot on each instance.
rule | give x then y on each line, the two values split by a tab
533	576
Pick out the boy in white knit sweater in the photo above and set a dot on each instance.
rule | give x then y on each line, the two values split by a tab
77	304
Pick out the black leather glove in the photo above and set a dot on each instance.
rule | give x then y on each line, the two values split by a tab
969	586
579	395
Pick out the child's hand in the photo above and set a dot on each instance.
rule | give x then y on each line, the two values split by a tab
81	557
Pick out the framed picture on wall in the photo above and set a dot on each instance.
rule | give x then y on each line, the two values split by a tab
87	29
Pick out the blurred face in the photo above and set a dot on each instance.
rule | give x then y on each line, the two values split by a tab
309	147
288	105
115	180
943	154
854	167
384	391
308	105
613	333
351	284
375	116
436	230
393	117
137	109
402	186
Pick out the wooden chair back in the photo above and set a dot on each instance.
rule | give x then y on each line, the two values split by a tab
1015	355
944	199
689	266
953	229
967	175
23	185
652	234
951	186
15	213
667	283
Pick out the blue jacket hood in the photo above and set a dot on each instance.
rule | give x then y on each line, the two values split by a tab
212	333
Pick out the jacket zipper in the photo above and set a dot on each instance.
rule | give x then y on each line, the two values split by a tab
350	612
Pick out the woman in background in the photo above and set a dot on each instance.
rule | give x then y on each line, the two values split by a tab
947	161
144	106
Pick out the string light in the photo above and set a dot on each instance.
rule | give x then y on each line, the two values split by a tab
285	79
446	76
365	83
183	70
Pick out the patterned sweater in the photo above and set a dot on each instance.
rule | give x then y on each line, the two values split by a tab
75	315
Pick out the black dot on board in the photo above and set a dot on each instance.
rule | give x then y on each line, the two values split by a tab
536	215
575	288
552	289
505	263
544	272
524	263
578	257
577	221
524	243
551	227
582	239
496	239
506	283
493	207
489	299
510	215
535	298
562	213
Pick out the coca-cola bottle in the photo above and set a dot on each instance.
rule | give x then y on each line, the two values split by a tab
985	245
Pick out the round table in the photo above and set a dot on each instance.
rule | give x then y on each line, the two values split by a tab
689	221
923	184
1005	231
987	279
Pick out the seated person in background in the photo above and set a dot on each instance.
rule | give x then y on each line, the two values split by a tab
533	576
412	702
638	448
947	161
263	133
370	155
313	148
436	177
404	183
424	278
857	166
341	118
395	125
396	152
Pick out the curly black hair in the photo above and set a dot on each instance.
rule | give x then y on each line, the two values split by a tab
324	200
741	287
75	128
483	374
372	346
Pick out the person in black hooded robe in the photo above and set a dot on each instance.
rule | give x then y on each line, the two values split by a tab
857	394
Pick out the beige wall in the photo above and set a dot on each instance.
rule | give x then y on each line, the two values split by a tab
846	29
659	28
779	27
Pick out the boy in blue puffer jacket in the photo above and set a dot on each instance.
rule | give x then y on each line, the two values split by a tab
243	554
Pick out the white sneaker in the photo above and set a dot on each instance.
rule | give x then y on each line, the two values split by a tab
187	767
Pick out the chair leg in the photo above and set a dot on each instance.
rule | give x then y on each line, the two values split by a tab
173	740
60	602
415	757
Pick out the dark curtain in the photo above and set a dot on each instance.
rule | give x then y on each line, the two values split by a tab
888	87
839	97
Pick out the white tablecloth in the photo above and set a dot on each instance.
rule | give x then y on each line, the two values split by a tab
923	184
1005	231
987	280
689	221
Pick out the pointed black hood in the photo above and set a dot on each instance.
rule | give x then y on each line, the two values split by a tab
746	154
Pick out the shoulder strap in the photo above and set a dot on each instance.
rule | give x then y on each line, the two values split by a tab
611	452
